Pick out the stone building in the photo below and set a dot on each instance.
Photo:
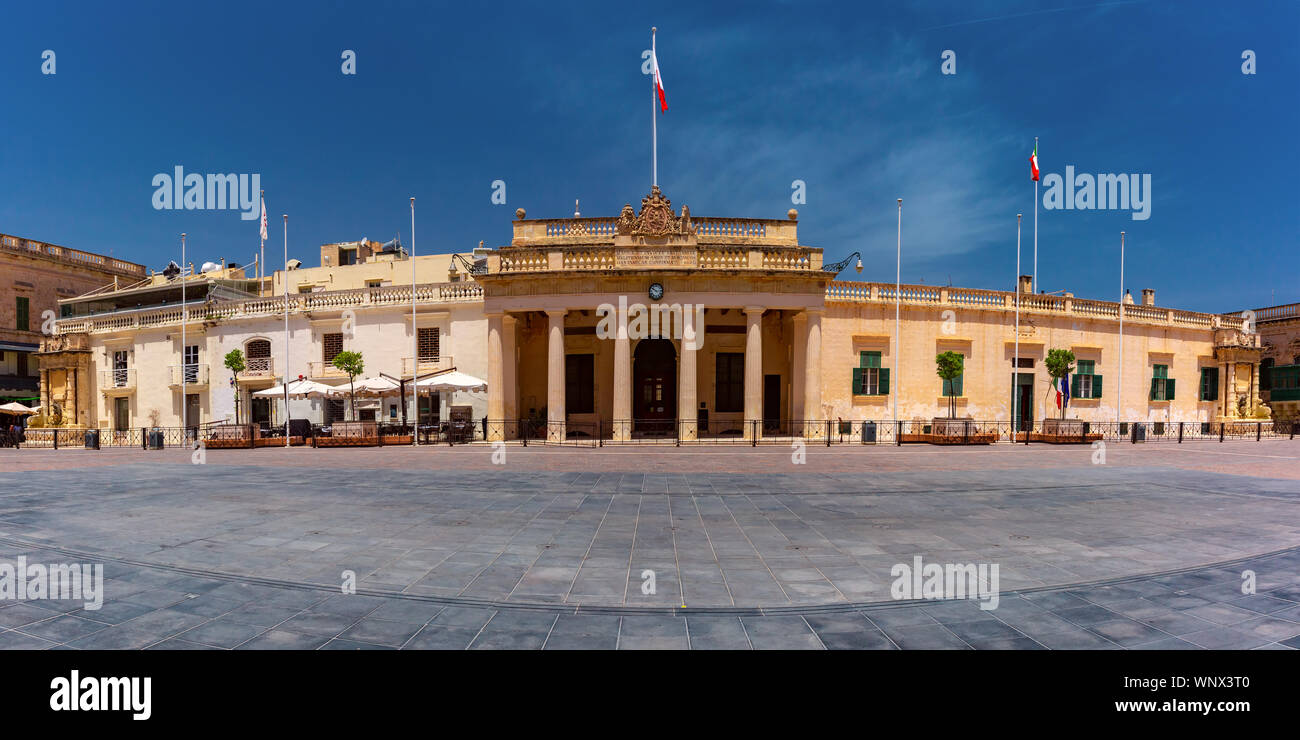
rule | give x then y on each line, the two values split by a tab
35	277
653	323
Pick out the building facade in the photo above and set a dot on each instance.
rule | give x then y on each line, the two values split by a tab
36	276
650	324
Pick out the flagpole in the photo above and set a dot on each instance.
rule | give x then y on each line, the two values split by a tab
1119	391
1035	285
1015	369
898	280
286	330
415	342
184	407
654	110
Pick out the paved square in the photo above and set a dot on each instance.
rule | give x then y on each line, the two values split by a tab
246	552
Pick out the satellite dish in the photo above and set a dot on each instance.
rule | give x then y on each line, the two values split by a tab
210	267
171	270
293	264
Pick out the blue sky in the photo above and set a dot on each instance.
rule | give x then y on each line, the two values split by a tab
549	97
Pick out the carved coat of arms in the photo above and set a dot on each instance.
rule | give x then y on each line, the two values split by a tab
656	218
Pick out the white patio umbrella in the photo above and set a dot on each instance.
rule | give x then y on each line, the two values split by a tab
16	408
377	386
453	381
298	389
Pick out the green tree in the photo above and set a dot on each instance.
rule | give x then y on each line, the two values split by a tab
949	366
352	364
1060	362
235	363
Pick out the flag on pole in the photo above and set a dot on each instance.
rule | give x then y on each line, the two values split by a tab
659	79
1063	392
1033	163
264	219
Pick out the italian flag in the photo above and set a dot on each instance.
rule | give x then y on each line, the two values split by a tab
1033	161
659	79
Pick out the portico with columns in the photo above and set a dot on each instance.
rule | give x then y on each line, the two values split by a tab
653	324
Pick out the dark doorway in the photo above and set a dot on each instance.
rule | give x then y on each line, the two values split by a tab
771	403
654	387
1023	402
261	411
121	413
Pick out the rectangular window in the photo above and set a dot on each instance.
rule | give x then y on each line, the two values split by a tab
331	346
869	378
428	345
1087	383
23	313
1209	384
579	384
729	382
22	363
347	256
1266	374
191	361
1162	386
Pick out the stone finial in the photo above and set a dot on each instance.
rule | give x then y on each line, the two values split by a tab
792	214
520	213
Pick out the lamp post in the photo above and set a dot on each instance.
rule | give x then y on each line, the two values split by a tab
898	281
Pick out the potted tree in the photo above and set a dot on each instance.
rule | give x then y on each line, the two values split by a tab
352	365
949	366
235	364
1060	363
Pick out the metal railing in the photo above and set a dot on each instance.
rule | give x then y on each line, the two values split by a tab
751	432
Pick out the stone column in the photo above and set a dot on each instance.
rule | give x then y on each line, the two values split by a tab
622	411
687	396
812	394
555	375
1230	398
798	356
509	375
496	407
753	371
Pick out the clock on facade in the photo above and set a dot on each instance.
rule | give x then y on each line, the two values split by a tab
656	291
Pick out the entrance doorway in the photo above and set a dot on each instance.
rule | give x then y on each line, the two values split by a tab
121	413
654	388
261	411
771	403
1023	402
191	410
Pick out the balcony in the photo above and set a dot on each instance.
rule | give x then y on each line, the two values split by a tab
117	380
194	374
258	367
428	364
322	369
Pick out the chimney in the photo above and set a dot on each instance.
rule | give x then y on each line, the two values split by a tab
1128	298
1026	284
1148	297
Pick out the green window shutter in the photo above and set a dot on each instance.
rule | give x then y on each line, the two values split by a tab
1169	389
870	359
1096	386
956	385
884	382
857	381
862	359
22	310
1075	384
1153	388
1214	384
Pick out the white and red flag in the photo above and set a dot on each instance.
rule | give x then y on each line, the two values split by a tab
1033	164
264	219
659	78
